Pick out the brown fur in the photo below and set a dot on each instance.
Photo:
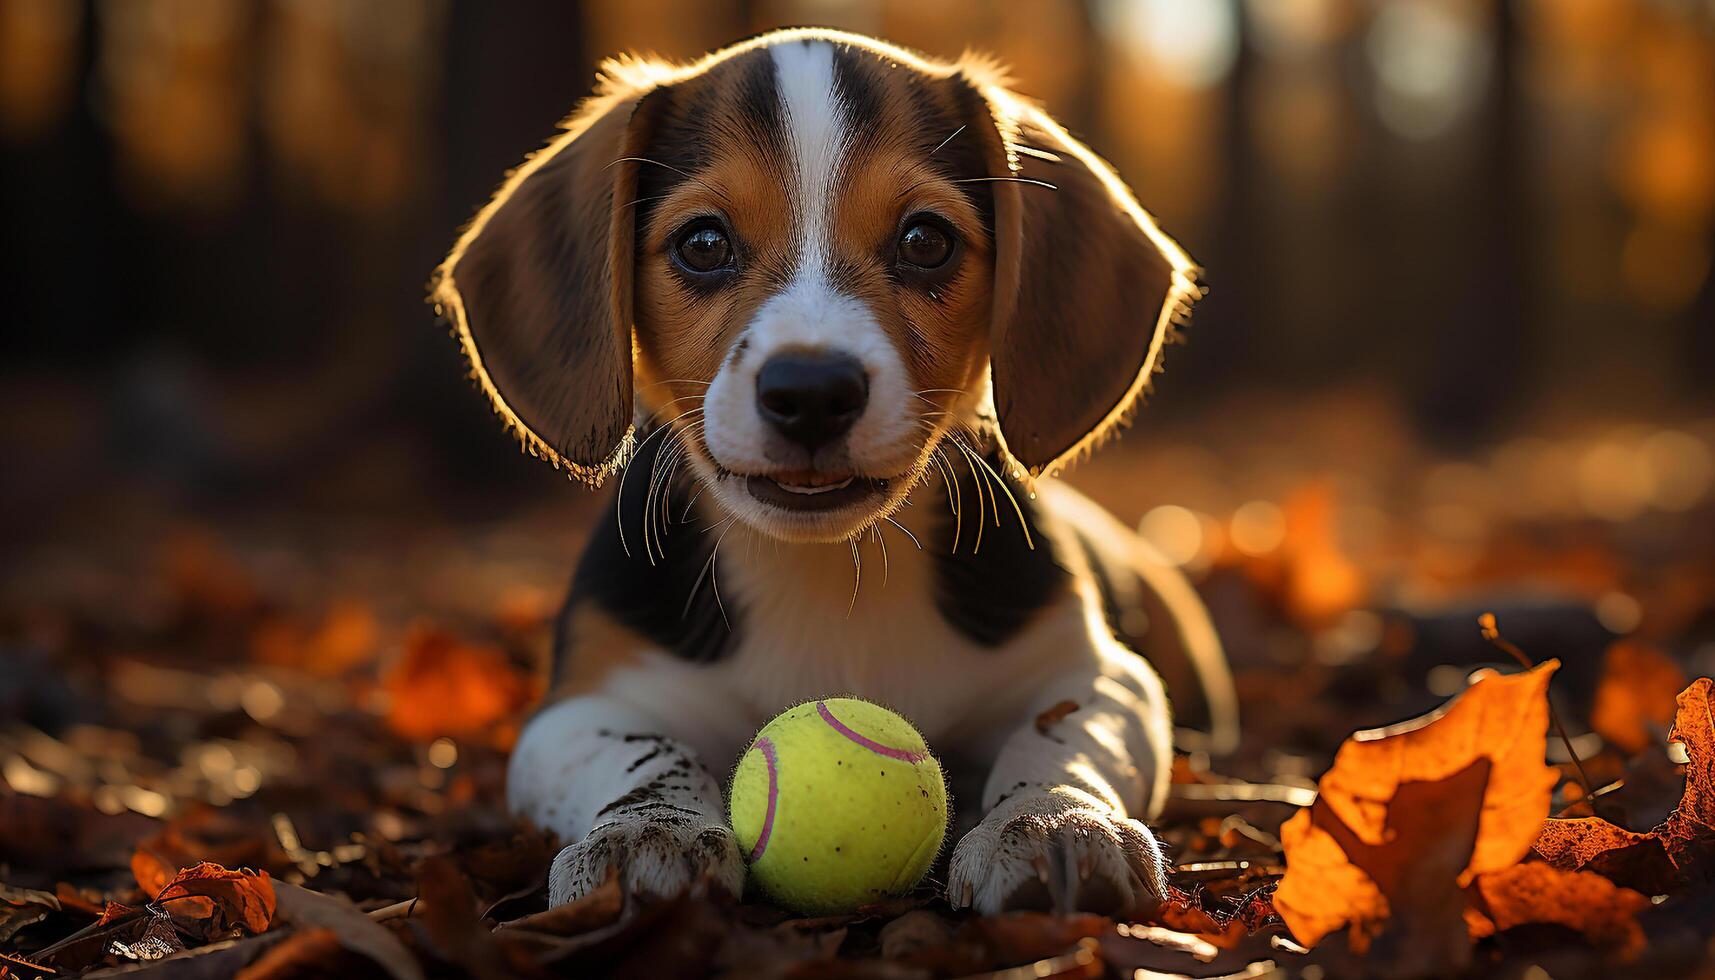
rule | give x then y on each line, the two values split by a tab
603	646
1087	291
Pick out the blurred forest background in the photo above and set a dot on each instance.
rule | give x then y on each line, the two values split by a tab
1433	229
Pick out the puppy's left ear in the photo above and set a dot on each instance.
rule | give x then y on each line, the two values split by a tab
1087	288
539	289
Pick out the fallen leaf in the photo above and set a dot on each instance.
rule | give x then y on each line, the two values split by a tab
307	952
78	900
226	899
152	871
347	636
1689	831
1024	936
1536	893
448	911
1633	698
1321	582
442	685
1680	848
1409	814
355	931
601	907
1636	860
28	896
23	907
1197	913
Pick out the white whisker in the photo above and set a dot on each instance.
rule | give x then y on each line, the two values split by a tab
857	576
905	531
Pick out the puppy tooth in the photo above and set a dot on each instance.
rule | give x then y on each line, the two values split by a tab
1040	863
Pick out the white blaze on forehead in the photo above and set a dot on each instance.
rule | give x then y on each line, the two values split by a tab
808	313
804	76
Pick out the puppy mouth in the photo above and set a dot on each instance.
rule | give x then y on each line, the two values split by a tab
810	491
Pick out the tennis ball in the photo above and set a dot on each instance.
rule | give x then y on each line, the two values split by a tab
837	804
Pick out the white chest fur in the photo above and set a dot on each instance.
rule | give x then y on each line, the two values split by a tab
814	621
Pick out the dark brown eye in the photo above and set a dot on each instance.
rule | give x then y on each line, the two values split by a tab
704	249
925	245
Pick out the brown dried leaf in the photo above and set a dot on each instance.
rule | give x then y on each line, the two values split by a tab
1595	845
1689	830
1537	893
114	912
448	910
357	932
307	952
1024	936
1196	912
23	907
1680	847
599	908
240	899
83	902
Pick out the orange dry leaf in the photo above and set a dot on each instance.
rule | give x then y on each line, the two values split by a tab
442	685
1537	893
241	898
1411	813
347	636
1183	911
1681	846
1595	845
152	871
1321	583
207	900
1691	826
1401	899
1633	699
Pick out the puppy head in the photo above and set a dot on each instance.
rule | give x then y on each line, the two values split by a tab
819	257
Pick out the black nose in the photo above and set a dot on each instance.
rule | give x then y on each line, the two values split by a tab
812	400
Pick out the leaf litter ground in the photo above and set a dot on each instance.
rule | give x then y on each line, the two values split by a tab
258	748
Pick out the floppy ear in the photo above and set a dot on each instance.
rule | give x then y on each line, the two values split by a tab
1087	288
538	289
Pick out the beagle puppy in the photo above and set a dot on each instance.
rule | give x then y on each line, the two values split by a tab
827	314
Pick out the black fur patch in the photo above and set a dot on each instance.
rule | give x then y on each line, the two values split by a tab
858	90
737	103
663	589
989	589
1121	615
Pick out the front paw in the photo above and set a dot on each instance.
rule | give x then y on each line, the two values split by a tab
655	854
1061	851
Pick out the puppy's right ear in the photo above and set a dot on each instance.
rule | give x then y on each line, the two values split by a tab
538	289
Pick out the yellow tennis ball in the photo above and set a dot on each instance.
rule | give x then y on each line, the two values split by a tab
837	804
